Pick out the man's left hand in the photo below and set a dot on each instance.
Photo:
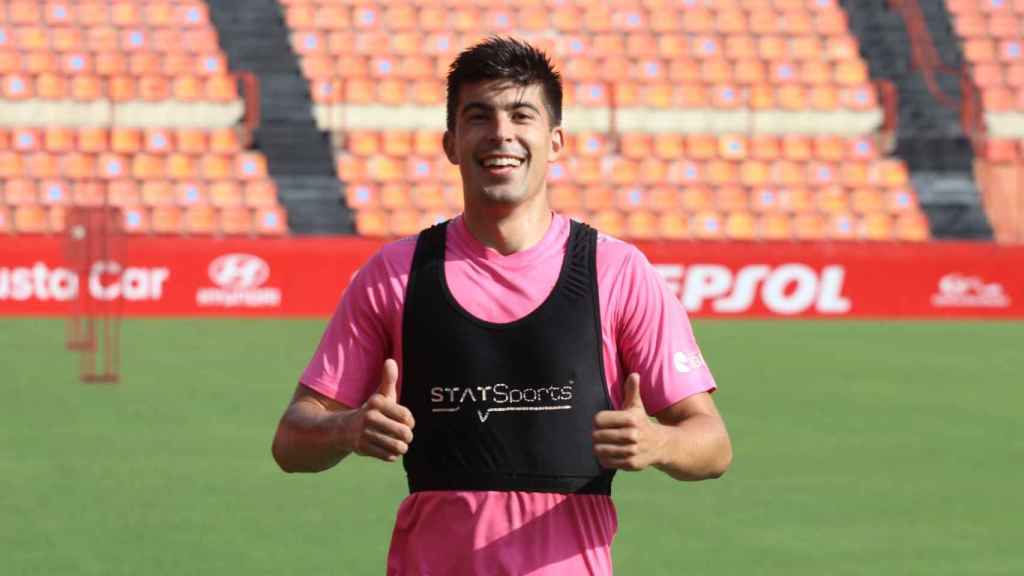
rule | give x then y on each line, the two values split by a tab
627	439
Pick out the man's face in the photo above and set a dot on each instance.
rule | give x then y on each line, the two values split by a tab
503	141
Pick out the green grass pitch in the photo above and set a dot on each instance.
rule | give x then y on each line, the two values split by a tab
873	448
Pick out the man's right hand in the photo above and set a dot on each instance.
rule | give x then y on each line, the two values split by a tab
381	428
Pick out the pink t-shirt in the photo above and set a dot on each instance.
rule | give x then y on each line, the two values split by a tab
644	329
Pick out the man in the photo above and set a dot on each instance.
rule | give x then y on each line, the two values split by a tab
509	357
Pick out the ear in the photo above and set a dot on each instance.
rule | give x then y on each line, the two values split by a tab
557	143
449	147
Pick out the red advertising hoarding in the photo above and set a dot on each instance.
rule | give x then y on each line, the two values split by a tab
306	276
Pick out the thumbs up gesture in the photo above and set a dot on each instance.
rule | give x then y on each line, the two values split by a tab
382	428
627	439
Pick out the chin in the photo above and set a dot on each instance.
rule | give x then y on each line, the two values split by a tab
503	195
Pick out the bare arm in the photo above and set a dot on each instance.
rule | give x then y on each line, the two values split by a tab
317	432
697	445
688	442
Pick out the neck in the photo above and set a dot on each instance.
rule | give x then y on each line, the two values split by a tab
508	229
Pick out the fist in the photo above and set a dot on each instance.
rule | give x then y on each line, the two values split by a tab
626	439
382	428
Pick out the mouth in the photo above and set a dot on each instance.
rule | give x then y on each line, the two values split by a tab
500	164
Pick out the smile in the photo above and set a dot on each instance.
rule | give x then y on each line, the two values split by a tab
501	161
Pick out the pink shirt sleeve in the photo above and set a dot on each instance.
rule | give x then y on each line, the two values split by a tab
650	328
360	336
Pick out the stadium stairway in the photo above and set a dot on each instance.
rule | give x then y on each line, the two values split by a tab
930	137
299	155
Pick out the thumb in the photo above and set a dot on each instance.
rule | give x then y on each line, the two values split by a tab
389	380
631	393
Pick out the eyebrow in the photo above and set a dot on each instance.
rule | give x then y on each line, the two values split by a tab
484	107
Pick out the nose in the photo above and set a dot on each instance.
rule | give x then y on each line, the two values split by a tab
503	128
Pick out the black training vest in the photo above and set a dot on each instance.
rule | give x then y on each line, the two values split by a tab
505	407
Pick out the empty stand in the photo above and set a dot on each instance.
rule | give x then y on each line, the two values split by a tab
805	187
166	180
97	63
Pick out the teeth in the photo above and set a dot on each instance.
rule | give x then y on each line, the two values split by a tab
501	162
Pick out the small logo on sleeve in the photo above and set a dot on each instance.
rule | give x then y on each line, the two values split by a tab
685	363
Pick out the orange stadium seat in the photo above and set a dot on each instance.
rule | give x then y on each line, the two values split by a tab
832	199
809	226
403	222
148	167
867	200
740	225
58	12
226	193
166	220
31	219
223	141
20	192
157	193
876	226
39	62
912	227
42	165
797	199
89	194
610	221
372	223
123	193
774	226
200	219
260	193
235	221
731	198
270	221
706	225
598	197
56	218
58	139
189	193
641	225
565	197
673	225
841	226
26	139
250	166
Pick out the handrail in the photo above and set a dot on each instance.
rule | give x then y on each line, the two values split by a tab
250	92
972	114
889	99
922	49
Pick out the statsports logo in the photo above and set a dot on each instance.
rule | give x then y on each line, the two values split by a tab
238	283
501	397
957	290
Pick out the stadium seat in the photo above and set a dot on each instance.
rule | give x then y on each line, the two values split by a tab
706	225
673	226
740	225
270	221
911	227
31	219
200	219
809	226
875	226
124	193
260	194
774	226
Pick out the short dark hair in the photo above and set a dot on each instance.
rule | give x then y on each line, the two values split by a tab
510	59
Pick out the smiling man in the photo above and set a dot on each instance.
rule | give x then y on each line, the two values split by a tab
511	357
